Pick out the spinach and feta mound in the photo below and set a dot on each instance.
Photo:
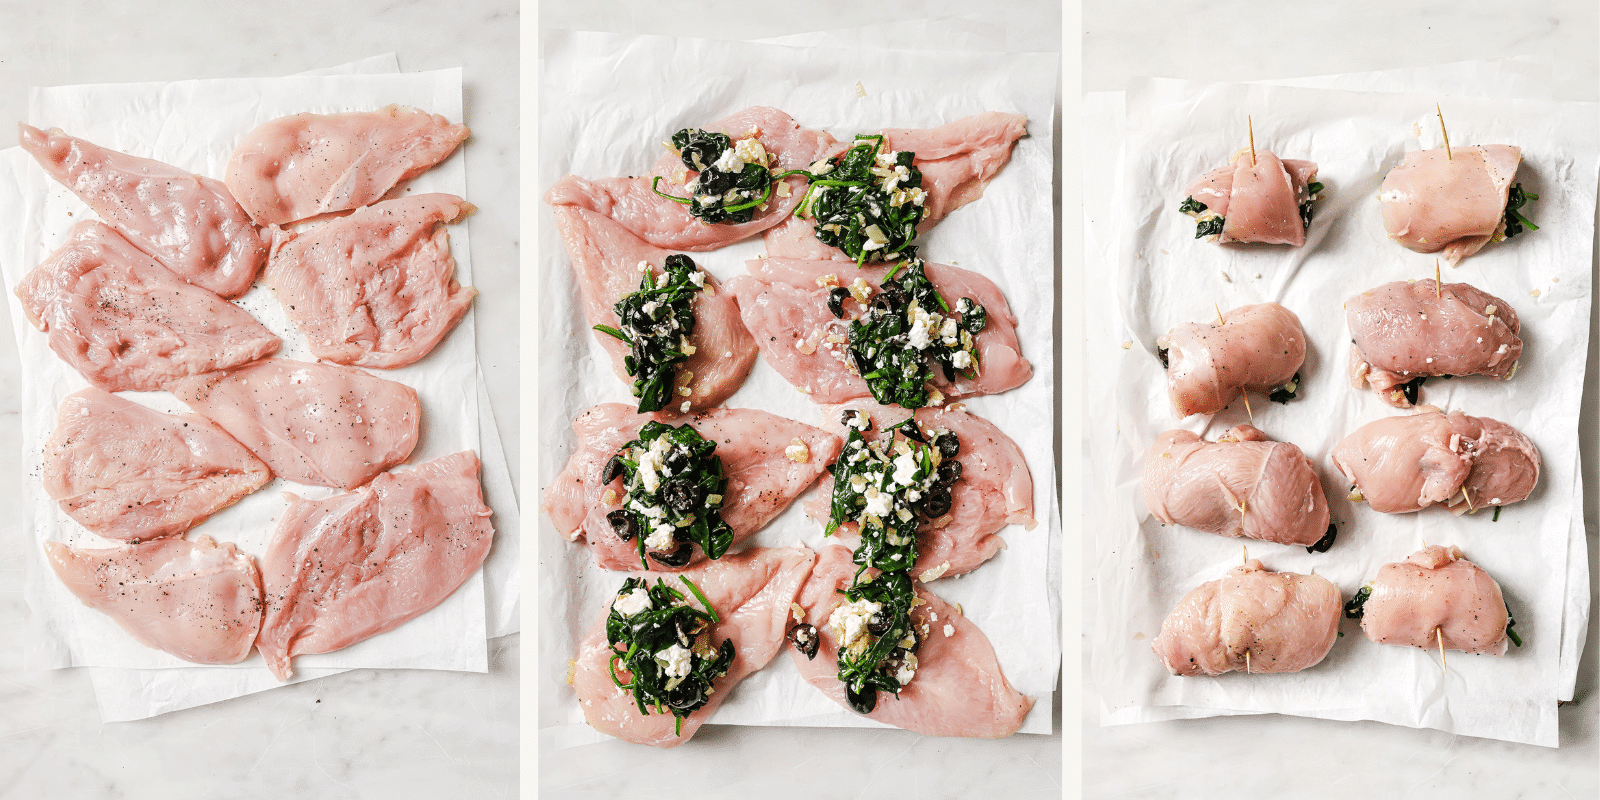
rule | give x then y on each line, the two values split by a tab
876	637
664	644
657	321
865	202
887	487
1514	223
906	331
675	488
733	180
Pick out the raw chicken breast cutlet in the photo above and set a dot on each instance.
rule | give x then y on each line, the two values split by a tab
606	261
345	569
376	288
1407	463
1257	348
667	224
1453	201
769	460
1244	484
751	593
196	599
129	472
305	165
1258	197
1406	331
1434	598
318	424
126	323
1252	619
959	688
189	223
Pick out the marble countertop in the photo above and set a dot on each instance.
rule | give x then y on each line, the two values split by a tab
737	761
367	733
1313	758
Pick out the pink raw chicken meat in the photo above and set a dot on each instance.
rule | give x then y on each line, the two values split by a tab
958	689
1258	196
762	479
1284	621
189	223
1407	463
1243	484
1454	202
664	223
375	288
126	323
1406	330
995	489
198	600
129	472
1436	596
605	262
784	304
751	592
957	160
317	424
345	569
301	166
1256	348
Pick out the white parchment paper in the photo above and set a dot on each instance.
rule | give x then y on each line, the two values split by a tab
195	125
1176	131
606	102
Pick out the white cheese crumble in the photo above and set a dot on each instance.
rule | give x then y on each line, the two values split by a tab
905	468
750	151
848	622
878	503
730	161
961	359
675	661
661	540
632	603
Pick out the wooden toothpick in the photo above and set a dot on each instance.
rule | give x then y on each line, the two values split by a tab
1247	662
1245	549
1438	288
1251	126
1468	499
1219	314
1247	412
1440	634
1446	133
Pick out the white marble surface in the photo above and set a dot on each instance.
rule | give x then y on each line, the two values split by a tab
795	762
366	733
1313	758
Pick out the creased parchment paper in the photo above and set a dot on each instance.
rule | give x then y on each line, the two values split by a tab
1174	132
195	125
606	103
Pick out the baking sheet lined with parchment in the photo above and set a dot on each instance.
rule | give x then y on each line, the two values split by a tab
606	103
1177	130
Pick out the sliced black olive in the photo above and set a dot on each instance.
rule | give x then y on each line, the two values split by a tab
936	503
886	303
687	695
895	292
1326	541
682	495
893	662
623	524
836	301
949	472
612	471
805	640
864	701
715	181
1161	353
860	361
910	430
1412	387
676	558
676	460
949	445
878	623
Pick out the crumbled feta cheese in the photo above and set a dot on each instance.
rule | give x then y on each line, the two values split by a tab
919	337
960	359
750	151
650	309
632	603
950	333
878	503
908	669
650	462
797	451
684	407
861	290
675	661
905	468
661	539
848	622
949	630
730	161
698	278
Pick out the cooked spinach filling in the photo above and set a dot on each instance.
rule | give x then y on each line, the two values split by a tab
657	321
1209	227
1515	222
733	180
909	328
1305	208
664	644
675	489
865	202
1356	608
886	487
1191	206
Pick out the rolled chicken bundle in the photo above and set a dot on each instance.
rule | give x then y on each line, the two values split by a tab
1407	463
1436	598
1257	348
1258	197
1406	331
1452	200
1252	619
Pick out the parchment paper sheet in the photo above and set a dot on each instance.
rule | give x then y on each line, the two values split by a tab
1176	131
195	125
606	101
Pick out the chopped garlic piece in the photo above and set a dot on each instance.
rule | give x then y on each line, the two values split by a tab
797	451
